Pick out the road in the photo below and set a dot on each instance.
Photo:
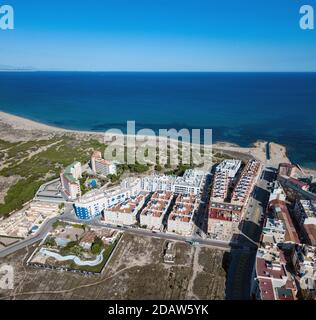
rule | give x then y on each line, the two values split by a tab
240	273
248	229
40	235
254	215
69	216
161	235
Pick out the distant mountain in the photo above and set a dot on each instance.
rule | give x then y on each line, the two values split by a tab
12	68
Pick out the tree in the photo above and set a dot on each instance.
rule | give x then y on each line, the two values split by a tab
97	246
50	241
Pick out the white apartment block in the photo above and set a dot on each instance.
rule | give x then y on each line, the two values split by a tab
273	232
278	192
125	213
190	183
93	203
101	166
156	182
224	174
230	167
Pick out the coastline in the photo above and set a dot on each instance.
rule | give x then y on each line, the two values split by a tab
15	128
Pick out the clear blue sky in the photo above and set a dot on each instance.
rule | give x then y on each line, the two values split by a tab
179	35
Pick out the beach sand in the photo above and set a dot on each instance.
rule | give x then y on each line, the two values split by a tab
14	128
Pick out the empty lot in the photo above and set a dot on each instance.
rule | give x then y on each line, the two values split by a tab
136	271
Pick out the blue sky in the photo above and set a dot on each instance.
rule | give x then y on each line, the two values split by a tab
159	35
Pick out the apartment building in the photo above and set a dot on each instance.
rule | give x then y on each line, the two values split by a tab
305	214
191	182
125	213
155	210
304	262
246	181
272	281
230	167
273	232
220	187
101	166
156	182
93	204
180	219
70	183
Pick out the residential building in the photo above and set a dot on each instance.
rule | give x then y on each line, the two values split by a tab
305	211
230	167
70	183
156	182
246	182
95	202
180	219
277	192
305	214
101	166
273	232
191	182
296	189
155	210
304	262
125	213
271	280
220	187
280	211
87	240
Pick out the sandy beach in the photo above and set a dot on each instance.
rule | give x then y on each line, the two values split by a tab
14	128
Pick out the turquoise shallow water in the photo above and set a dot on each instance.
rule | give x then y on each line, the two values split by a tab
239	107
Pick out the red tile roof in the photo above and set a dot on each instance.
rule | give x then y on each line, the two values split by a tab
265	270
283	214
266	289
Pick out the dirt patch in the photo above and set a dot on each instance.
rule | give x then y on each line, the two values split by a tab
5	184
136	271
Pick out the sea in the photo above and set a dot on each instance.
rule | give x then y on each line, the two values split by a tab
241	108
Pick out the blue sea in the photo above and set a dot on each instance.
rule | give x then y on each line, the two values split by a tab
240	107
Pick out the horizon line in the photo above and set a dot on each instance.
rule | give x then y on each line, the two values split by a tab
158	71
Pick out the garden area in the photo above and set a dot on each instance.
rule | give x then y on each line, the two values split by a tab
76	248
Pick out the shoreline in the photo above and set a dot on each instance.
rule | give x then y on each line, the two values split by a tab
23	129
23	123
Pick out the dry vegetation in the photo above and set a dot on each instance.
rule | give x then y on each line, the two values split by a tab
136	271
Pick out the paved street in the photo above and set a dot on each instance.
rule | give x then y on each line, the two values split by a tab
143	232
29	241
240	273
242	253
252	223
70	217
